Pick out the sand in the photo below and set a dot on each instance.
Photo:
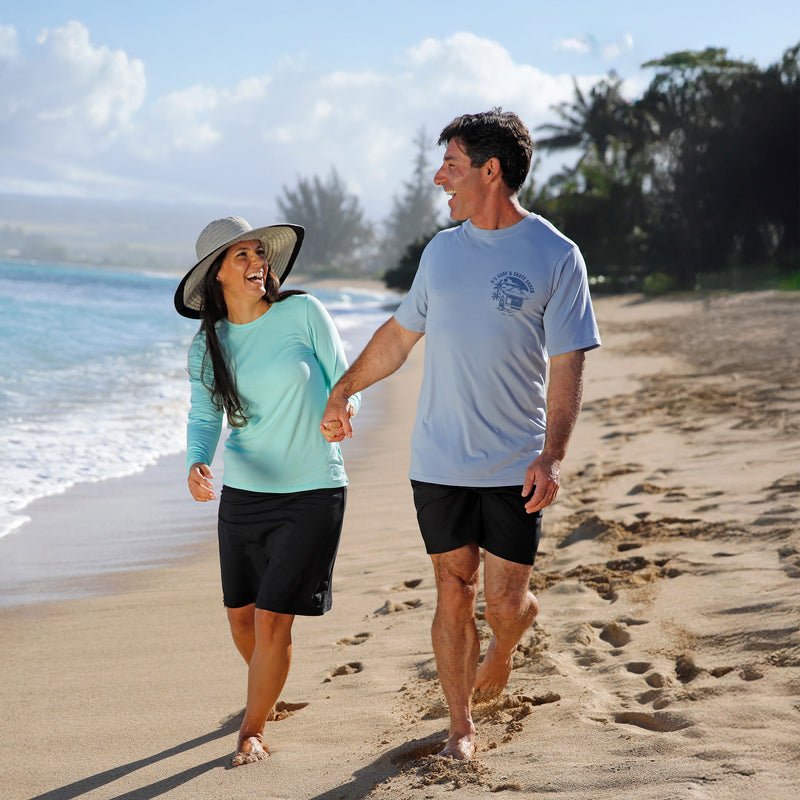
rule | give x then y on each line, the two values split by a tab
665	662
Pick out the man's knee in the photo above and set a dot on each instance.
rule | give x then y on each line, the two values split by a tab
457	577
455	592
511	605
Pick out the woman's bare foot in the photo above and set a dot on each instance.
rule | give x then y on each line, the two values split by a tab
493	674
248	751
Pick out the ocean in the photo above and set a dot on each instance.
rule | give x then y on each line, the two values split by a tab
93	378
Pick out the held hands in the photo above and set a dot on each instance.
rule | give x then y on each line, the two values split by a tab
335	425
543	477
200	484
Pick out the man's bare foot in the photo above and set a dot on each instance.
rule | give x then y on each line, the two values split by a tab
248	751
460	748
493	674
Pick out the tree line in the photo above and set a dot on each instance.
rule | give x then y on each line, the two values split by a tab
693	184
340	240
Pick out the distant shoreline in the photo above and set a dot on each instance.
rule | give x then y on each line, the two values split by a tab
358	282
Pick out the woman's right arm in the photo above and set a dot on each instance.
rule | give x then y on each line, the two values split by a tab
202	430
200	485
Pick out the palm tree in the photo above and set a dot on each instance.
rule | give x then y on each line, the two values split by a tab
602	124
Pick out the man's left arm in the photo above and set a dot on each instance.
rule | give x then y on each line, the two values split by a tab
564	392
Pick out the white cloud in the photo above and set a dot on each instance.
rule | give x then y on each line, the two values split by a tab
95	86
8	43
184	123
68	97
78	112
583	45
616	49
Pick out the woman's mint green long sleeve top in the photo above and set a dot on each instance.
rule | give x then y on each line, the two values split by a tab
285	364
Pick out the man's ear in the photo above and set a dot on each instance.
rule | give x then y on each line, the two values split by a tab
492	169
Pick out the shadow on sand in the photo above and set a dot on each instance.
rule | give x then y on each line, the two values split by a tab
387	765
158	788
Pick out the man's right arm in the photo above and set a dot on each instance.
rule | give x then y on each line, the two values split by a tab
386	353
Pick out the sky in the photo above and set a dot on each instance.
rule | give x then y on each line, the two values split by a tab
223	105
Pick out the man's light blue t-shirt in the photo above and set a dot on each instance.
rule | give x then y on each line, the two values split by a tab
493	304
285	363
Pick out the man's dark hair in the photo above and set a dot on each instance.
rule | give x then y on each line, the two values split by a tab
494	134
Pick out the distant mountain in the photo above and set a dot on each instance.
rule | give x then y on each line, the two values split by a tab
134	234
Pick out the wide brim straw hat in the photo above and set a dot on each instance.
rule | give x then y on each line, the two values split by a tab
281	244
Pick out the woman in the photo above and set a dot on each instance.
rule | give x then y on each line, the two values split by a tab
265	359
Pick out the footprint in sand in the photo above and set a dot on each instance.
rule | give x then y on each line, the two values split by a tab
790	560
616	634
352	668
588	657
686	670
660	721
647	488
656	680
532	645
718	672
358	638
621	435
581	634
509	711
284	710
409	584
391	607
654	696
657	693
632	621
750	672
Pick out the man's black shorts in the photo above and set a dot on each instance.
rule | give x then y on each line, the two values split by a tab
492	517
278	550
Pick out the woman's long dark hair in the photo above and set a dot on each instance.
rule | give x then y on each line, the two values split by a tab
221	382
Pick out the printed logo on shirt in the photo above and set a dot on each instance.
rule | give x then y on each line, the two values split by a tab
510	290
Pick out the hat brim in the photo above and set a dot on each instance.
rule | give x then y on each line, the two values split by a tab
281	242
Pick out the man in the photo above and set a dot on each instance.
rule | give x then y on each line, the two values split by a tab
496	297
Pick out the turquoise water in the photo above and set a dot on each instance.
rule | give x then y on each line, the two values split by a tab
92	380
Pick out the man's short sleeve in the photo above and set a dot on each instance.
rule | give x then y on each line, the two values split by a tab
411	313
569	321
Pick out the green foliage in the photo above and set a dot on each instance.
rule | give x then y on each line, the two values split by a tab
402	276
748	279
696	175
657	283
333	219
712	58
